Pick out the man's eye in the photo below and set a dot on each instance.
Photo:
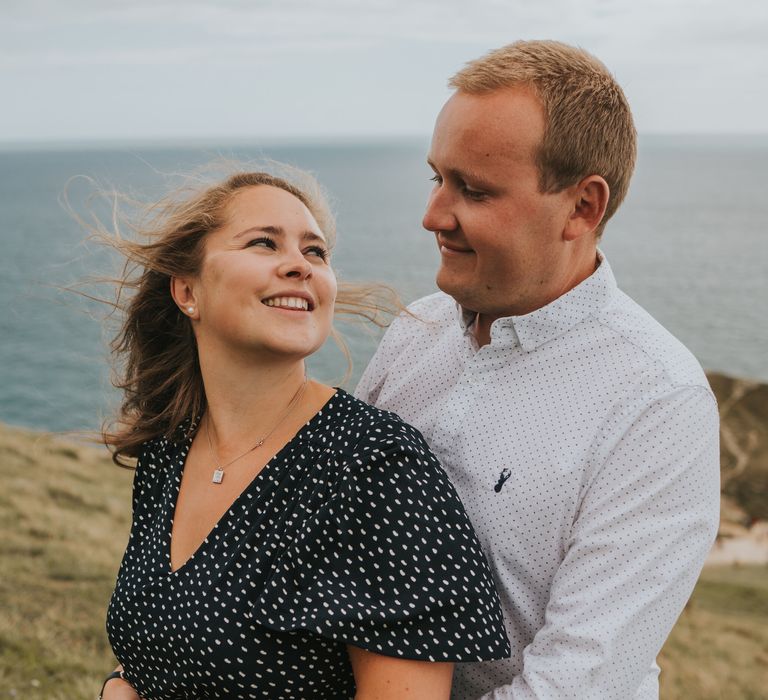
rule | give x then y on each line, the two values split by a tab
436	178
262	242
475	195
317	250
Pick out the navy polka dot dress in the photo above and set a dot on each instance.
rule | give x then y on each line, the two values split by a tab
351	534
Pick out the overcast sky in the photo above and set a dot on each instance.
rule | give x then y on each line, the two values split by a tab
303	69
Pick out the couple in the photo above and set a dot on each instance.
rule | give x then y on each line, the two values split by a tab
291	541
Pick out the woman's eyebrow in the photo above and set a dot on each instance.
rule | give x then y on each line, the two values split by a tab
280	231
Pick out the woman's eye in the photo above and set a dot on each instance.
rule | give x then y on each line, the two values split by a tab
436	178
262	242
321	253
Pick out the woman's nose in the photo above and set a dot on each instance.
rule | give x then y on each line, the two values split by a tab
296	266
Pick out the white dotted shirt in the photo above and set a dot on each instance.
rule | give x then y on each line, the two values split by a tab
583	441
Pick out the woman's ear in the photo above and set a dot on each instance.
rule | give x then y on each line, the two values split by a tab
590	200
183	294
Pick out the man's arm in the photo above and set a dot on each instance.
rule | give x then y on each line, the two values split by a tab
370	383
645	525
395	339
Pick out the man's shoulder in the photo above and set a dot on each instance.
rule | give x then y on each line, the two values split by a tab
412	333
651	343
435	307
425	316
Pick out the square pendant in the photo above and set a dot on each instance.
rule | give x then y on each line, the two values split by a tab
218	476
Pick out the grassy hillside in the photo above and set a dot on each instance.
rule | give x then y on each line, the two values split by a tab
64	516
718	649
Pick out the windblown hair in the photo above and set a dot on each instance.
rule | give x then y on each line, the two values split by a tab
155	353
589	128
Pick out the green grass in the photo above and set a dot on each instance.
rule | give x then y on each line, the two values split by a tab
719	648
65	515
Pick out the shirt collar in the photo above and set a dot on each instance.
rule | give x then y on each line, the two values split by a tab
556	318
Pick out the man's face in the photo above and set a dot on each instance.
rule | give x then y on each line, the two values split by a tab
500	239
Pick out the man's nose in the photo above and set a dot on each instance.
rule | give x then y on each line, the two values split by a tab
439	214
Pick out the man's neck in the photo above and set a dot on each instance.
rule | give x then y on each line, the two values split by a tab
483	322
482	329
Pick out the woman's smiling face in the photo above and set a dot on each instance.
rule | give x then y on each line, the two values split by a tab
266	286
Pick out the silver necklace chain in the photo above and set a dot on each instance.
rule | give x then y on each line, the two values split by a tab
218	474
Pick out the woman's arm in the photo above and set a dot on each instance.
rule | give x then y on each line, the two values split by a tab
119	689
380	677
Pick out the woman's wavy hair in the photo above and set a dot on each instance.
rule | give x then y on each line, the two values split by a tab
154	353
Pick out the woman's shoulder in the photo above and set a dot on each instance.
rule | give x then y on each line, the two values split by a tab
376	428
160	452
392	548
384	451
154	451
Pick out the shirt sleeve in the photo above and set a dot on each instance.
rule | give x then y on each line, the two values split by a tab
646	523
392	565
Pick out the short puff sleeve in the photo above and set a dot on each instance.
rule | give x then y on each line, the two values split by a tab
390	563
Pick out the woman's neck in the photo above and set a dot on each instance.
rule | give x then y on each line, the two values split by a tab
245	399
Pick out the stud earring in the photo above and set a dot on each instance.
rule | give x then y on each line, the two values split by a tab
190	309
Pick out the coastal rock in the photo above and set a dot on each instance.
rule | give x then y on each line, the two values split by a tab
743	535
743	443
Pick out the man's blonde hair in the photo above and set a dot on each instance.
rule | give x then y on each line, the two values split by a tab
589	128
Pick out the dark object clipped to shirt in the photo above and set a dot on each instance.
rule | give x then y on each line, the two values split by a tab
351	534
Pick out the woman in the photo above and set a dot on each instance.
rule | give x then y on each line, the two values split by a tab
288	540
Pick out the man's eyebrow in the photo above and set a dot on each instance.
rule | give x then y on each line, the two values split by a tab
464	175
280	231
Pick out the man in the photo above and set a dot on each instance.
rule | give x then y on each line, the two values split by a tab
582	437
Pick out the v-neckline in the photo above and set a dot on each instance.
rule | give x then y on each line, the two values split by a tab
176	490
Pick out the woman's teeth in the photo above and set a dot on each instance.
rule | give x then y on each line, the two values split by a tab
288	303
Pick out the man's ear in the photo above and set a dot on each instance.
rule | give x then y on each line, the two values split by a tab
589	202
183	294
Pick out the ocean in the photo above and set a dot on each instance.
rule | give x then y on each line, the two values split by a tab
690	244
